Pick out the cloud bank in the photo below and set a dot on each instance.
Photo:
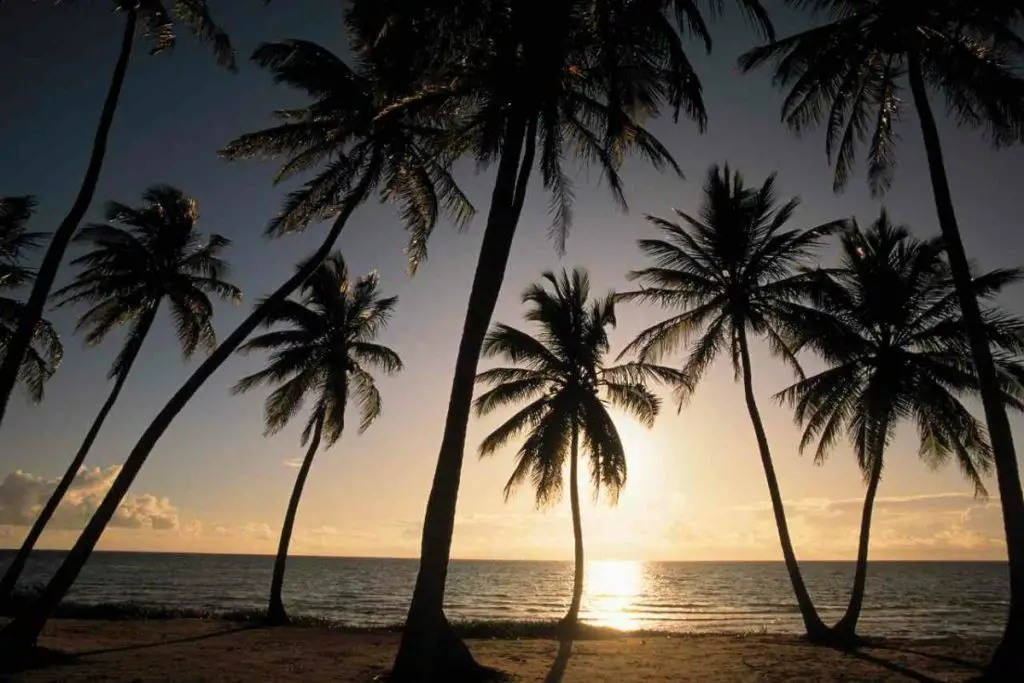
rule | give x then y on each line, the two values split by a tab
23	495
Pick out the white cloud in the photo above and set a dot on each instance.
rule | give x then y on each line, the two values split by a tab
23	495
294	463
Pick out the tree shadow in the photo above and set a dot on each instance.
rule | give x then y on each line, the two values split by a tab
892	666
557	670
173	641
948	659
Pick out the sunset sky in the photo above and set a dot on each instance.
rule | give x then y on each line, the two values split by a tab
695	490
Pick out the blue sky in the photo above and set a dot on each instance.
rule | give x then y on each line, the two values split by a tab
696	490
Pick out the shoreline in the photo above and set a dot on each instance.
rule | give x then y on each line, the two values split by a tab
208	650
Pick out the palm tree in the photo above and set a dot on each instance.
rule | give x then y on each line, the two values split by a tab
731	270
44	353
156	256
561	376
371	148
848	73
529	83
888	325
158	26
324	353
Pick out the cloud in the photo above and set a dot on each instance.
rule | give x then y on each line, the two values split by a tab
23	495
294	463
931	526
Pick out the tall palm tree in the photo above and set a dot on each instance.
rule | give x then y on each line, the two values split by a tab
848	73
44	353
155	255
370	149
530	84
730	271
561	376
158	26
324	352
888	325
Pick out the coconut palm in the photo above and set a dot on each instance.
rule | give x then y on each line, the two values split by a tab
727	273
848	73
158	27
888	325
44	353
324	351
370	149
561	376
530	83
140	258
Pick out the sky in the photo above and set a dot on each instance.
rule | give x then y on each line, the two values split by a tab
695	489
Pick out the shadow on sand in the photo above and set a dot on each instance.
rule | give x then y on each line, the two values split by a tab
159	643
557	670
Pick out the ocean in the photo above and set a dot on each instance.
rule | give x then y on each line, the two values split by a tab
908	599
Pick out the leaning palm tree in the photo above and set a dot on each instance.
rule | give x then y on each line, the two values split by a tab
365	148
530	84
44	353
887	324
324	351
158	27
560	375
848	73
729	273
141	257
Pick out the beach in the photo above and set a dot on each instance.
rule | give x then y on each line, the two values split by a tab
212	650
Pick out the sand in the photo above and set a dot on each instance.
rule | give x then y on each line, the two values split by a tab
202	650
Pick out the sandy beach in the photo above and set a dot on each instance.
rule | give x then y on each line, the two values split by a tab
205	650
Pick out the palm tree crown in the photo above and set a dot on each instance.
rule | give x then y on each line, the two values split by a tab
562	376
363	145
158	25
45	352
730	268
15	240
847	73
154	254
325	351
887	323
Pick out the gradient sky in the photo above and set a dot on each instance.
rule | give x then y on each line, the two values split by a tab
696	490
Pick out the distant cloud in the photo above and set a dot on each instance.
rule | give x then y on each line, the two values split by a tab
930	526
294	463
22	496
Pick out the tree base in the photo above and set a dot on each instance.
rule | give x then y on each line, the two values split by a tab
453	662
277	617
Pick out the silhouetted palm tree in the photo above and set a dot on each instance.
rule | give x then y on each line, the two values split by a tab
370	148
156	256
561	376
158	27
888	325
728	272
848	73
44	353
529	83
324	351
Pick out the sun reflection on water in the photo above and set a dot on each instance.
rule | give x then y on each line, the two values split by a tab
610	589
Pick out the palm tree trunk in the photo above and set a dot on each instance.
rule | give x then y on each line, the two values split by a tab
13	572
847	626
572	618
33	311
815	627
18	636
425	623
275	611
1008	660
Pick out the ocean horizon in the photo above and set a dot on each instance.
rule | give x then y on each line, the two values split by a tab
919	599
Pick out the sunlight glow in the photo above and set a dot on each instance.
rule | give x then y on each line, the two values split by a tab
611	587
